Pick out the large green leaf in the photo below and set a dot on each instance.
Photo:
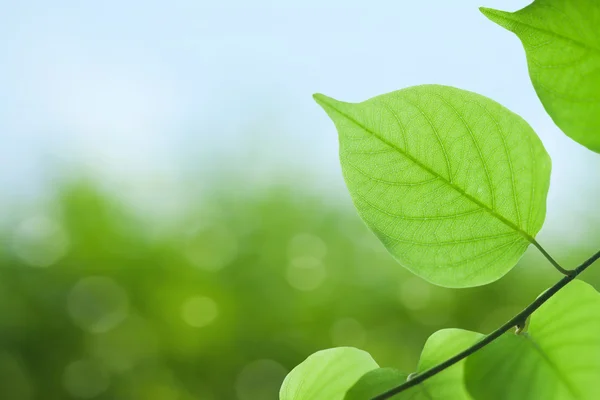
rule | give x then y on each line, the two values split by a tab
327	374
557	358
447	385
451	182
562	42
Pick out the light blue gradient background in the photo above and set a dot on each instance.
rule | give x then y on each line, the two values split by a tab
149	95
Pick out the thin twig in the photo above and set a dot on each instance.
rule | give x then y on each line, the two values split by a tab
518	321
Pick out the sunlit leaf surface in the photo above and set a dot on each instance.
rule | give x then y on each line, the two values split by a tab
327	374
562	42
451	182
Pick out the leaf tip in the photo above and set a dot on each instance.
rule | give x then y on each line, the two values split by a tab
502	18
330	105
322	100
486	10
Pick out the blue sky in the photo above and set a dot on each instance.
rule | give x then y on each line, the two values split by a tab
143	91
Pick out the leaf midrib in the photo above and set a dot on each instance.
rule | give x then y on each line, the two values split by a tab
324	101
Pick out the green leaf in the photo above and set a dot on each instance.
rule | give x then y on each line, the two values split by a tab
557	358
451	182
327	374
441	346
447	385
562	43
376	382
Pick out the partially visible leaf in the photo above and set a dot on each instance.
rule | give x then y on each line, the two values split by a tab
376	382
562	42
557	358
451	182
440	346
447	385
326	374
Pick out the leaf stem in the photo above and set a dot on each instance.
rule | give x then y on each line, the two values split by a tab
518	321
552	260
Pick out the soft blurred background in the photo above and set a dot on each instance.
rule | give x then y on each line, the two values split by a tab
174	223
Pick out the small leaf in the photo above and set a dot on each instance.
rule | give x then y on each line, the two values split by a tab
440	346
451	182
326	374
558	357
447	385
562	43
376	382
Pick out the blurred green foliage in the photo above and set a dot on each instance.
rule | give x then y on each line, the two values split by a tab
97	303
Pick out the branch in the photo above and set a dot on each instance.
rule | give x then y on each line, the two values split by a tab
518	321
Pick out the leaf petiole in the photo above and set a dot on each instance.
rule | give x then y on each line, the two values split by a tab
552	260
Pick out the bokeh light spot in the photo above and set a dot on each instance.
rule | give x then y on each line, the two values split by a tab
85	379
212	248
306	273
40	241
97	304
131	343
199	311
305	244
415	293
